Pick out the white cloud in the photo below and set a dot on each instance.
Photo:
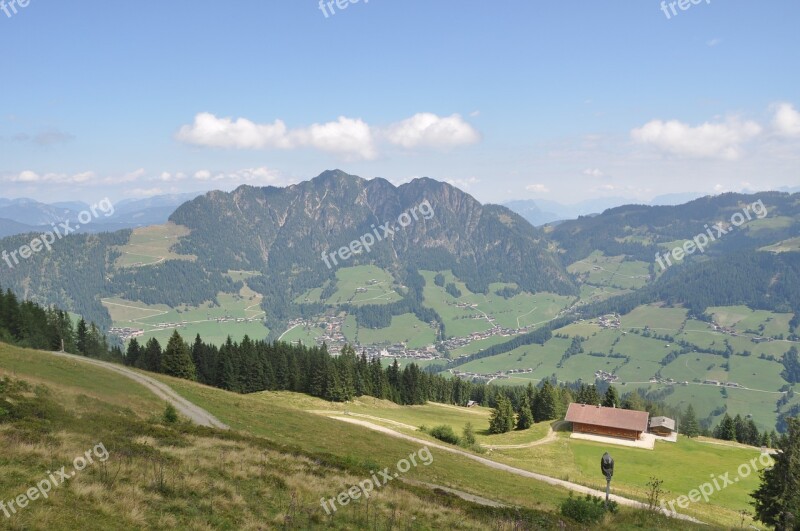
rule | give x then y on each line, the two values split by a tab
593	172
26	176
260	175
29	176
146	192
708	140
82	177
538	188
429	130
347	137
130	177
786	120
172	177
210	131
714	42
463	184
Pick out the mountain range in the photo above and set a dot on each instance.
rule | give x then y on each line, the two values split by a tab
23	215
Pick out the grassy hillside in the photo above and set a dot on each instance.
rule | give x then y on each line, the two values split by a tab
271	472
161	475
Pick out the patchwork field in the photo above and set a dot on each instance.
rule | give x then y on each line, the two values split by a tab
236	316
366	284
599	270
406	328
630	352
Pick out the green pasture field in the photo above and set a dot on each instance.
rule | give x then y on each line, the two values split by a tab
406	328
151	245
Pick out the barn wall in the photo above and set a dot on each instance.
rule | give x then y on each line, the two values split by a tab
604	430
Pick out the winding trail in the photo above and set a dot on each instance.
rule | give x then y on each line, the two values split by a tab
550	437
195	413
513	470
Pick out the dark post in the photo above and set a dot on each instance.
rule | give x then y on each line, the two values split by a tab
607	467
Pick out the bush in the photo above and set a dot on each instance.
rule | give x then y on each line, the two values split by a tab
586	510
468	435
444	433
170	414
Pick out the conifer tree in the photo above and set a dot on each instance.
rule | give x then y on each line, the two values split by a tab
777	499
177	359
502	419
690	426
525	417
611	398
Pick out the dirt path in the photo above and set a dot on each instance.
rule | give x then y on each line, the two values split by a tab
550	437
328	412
195	413
506	468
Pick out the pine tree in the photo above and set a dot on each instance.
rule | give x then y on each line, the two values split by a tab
82	337
546	406
611	398
691	428
177	359
150	360
502	419
525	418
133	352
531	392
778	496
740	429
726	430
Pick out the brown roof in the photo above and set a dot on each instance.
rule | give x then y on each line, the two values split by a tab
609	417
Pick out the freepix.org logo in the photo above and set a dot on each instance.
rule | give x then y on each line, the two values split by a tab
701	241
381	232
63	229
12	7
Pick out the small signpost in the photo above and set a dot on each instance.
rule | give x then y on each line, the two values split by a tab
607	467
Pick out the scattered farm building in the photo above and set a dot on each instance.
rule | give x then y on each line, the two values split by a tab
663	426
607	421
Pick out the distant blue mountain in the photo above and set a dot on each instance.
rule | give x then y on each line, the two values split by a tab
18	216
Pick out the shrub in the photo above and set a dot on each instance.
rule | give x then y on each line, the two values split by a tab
586	510
444	433
468	435
170	414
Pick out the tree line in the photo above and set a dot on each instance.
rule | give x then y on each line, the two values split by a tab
30	325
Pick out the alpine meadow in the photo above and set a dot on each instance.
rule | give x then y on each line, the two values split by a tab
319	265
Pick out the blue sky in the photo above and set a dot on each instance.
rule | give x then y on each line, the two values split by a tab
561	100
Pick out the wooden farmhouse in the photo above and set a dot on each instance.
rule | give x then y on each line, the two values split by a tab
607	421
